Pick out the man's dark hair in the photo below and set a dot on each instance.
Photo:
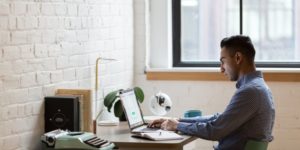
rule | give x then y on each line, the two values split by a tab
239	43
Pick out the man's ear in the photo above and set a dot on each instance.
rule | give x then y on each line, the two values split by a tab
238	57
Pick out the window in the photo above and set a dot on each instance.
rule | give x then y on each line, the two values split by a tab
200	25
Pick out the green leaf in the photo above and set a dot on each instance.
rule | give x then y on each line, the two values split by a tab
109	107
118	109
139	94
110	98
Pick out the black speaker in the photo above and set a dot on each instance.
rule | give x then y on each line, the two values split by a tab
62	112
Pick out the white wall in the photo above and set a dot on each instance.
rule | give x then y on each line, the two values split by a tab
50	44
211	97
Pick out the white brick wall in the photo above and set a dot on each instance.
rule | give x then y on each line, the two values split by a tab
212	97
45	45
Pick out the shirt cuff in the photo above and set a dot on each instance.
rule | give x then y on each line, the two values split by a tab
181	126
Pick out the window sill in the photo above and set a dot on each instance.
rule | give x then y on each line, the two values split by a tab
213	74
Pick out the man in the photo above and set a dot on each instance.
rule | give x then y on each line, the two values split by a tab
250	113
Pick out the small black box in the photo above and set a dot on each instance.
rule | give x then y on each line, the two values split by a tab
62	112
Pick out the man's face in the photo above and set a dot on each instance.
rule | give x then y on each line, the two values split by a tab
228	65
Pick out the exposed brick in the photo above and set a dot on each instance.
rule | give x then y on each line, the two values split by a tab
49	22
83	10
11	82
62	62
43	78
54	50
48	36
18	96
5	99
21	110
49	64
83	73
28	112
54	44
70	36
19	37
34	36
33	8
5	127
49	89
16	128
4	9
4	37
6	68
19	8
19	66
40	50
1	89
35	94
3	22
28	80
69	74
42	22
12	22
82	35
30	143
86	83
37	107
48	9
56	76
31	23
74	61
27	51
84	60
34	65
60	9
11	53
8	144
10	112
73	23
72	9
26	22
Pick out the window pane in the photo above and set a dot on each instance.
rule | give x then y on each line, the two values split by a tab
270	24
203	25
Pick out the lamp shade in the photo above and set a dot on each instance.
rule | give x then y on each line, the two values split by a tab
160	104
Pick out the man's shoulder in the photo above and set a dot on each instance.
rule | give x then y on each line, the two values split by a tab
255	84
252	89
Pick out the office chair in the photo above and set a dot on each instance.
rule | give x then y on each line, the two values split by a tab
256	145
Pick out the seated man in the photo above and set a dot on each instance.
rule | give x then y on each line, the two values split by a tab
250	113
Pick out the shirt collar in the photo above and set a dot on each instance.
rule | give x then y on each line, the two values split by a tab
248	77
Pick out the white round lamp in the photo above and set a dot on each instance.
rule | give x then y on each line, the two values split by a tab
160	104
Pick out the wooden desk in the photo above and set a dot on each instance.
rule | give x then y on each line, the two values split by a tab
120	135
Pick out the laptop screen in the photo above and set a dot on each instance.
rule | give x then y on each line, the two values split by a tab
131	108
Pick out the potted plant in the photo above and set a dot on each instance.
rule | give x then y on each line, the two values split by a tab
113	99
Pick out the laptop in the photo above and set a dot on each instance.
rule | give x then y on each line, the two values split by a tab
133	113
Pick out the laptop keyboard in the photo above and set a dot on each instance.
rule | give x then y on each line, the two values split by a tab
145	129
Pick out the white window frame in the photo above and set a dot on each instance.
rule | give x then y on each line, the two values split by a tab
160	51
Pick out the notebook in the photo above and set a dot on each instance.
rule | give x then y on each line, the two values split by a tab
159	136
133	113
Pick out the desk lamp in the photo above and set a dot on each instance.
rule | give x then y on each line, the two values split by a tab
96	91
160	104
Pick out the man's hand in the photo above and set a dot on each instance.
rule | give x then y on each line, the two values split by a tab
156	123
170	124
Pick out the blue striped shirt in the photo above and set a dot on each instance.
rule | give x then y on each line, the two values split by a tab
249	115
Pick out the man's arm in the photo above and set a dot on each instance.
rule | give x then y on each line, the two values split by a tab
242	107
199	118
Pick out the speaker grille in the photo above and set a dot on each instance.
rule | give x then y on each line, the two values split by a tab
62	112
